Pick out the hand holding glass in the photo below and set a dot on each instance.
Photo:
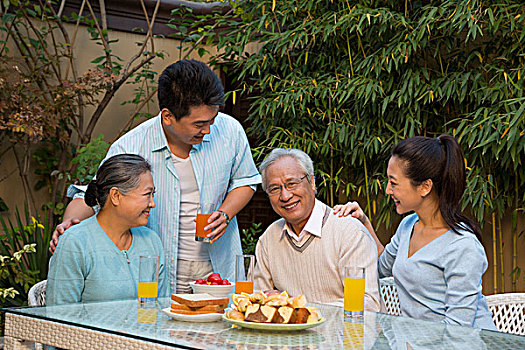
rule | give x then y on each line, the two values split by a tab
148	288
354	291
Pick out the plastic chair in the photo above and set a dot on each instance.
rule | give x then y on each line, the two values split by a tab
388	291
37	294
508	312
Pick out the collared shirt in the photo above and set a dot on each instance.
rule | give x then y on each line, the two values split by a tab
221	162
313	225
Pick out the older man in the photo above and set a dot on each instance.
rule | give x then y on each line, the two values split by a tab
307	250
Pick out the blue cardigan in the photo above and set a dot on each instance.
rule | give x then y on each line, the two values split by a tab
88	266
442	280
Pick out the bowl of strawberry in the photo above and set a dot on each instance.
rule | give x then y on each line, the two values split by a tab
214	285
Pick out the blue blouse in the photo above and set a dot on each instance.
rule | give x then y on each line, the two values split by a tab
88	266
442	280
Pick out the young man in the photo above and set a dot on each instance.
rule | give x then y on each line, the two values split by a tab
307	250
199	157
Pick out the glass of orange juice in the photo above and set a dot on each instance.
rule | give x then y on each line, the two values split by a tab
148	289
205	211
354	304
244	265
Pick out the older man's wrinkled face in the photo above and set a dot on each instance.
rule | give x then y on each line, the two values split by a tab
291	191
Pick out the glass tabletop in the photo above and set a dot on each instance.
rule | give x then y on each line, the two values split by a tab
375	331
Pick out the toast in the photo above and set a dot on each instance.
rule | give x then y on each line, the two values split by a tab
208	308
199	300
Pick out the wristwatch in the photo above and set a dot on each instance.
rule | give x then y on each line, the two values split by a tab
226	216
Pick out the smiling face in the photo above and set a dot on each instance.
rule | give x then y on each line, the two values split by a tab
296	205
406	196
189	130
134	206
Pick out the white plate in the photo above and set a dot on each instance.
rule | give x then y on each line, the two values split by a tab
213	317
274	326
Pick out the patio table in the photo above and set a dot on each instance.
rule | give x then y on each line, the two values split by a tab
114	325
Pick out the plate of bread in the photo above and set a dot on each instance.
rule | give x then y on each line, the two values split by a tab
274	312
202	307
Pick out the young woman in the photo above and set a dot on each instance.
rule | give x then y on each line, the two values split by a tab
436	256
98	259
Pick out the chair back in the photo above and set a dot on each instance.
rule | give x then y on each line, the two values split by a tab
508	312
388	291
37	294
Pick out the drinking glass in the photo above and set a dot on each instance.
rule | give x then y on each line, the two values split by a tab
354	291
206	209
148	289
244	265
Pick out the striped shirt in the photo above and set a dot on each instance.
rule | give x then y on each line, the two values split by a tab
221	162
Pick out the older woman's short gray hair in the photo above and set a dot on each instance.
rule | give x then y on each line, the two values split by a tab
301	157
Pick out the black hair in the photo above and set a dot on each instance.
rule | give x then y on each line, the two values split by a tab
440	160
121	171
189	83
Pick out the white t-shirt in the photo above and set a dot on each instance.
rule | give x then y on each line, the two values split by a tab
189	248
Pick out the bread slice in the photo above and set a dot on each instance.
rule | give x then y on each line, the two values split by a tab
283	315
199	300
209	308
300	315
260	313
191	312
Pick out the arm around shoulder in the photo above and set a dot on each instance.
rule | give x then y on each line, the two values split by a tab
76	211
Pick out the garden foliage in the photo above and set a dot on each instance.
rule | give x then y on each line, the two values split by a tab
346	80
49	110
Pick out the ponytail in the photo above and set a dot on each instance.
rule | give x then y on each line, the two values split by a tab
441	160
453	184
91	196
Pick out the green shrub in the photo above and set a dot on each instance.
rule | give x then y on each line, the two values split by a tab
22	270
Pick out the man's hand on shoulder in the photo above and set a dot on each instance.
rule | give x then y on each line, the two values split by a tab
59	230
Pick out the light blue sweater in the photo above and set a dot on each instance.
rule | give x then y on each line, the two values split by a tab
442	280
88	266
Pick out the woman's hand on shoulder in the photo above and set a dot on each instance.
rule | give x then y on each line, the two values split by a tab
351	208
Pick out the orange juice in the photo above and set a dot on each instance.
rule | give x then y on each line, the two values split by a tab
202	222
148	289
243	287
354	294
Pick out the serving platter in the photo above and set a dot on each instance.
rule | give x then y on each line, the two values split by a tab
274	326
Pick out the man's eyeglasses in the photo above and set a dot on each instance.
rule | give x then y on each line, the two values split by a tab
290	185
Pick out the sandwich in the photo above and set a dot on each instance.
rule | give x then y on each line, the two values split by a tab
197	304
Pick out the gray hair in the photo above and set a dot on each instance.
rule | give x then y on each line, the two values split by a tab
121	171
301	157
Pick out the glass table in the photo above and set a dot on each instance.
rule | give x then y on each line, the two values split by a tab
122	325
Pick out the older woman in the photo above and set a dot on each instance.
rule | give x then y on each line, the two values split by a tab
436	256
98	259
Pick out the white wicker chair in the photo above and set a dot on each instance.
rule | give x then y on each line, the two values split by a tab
508	312
37	294
388	291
